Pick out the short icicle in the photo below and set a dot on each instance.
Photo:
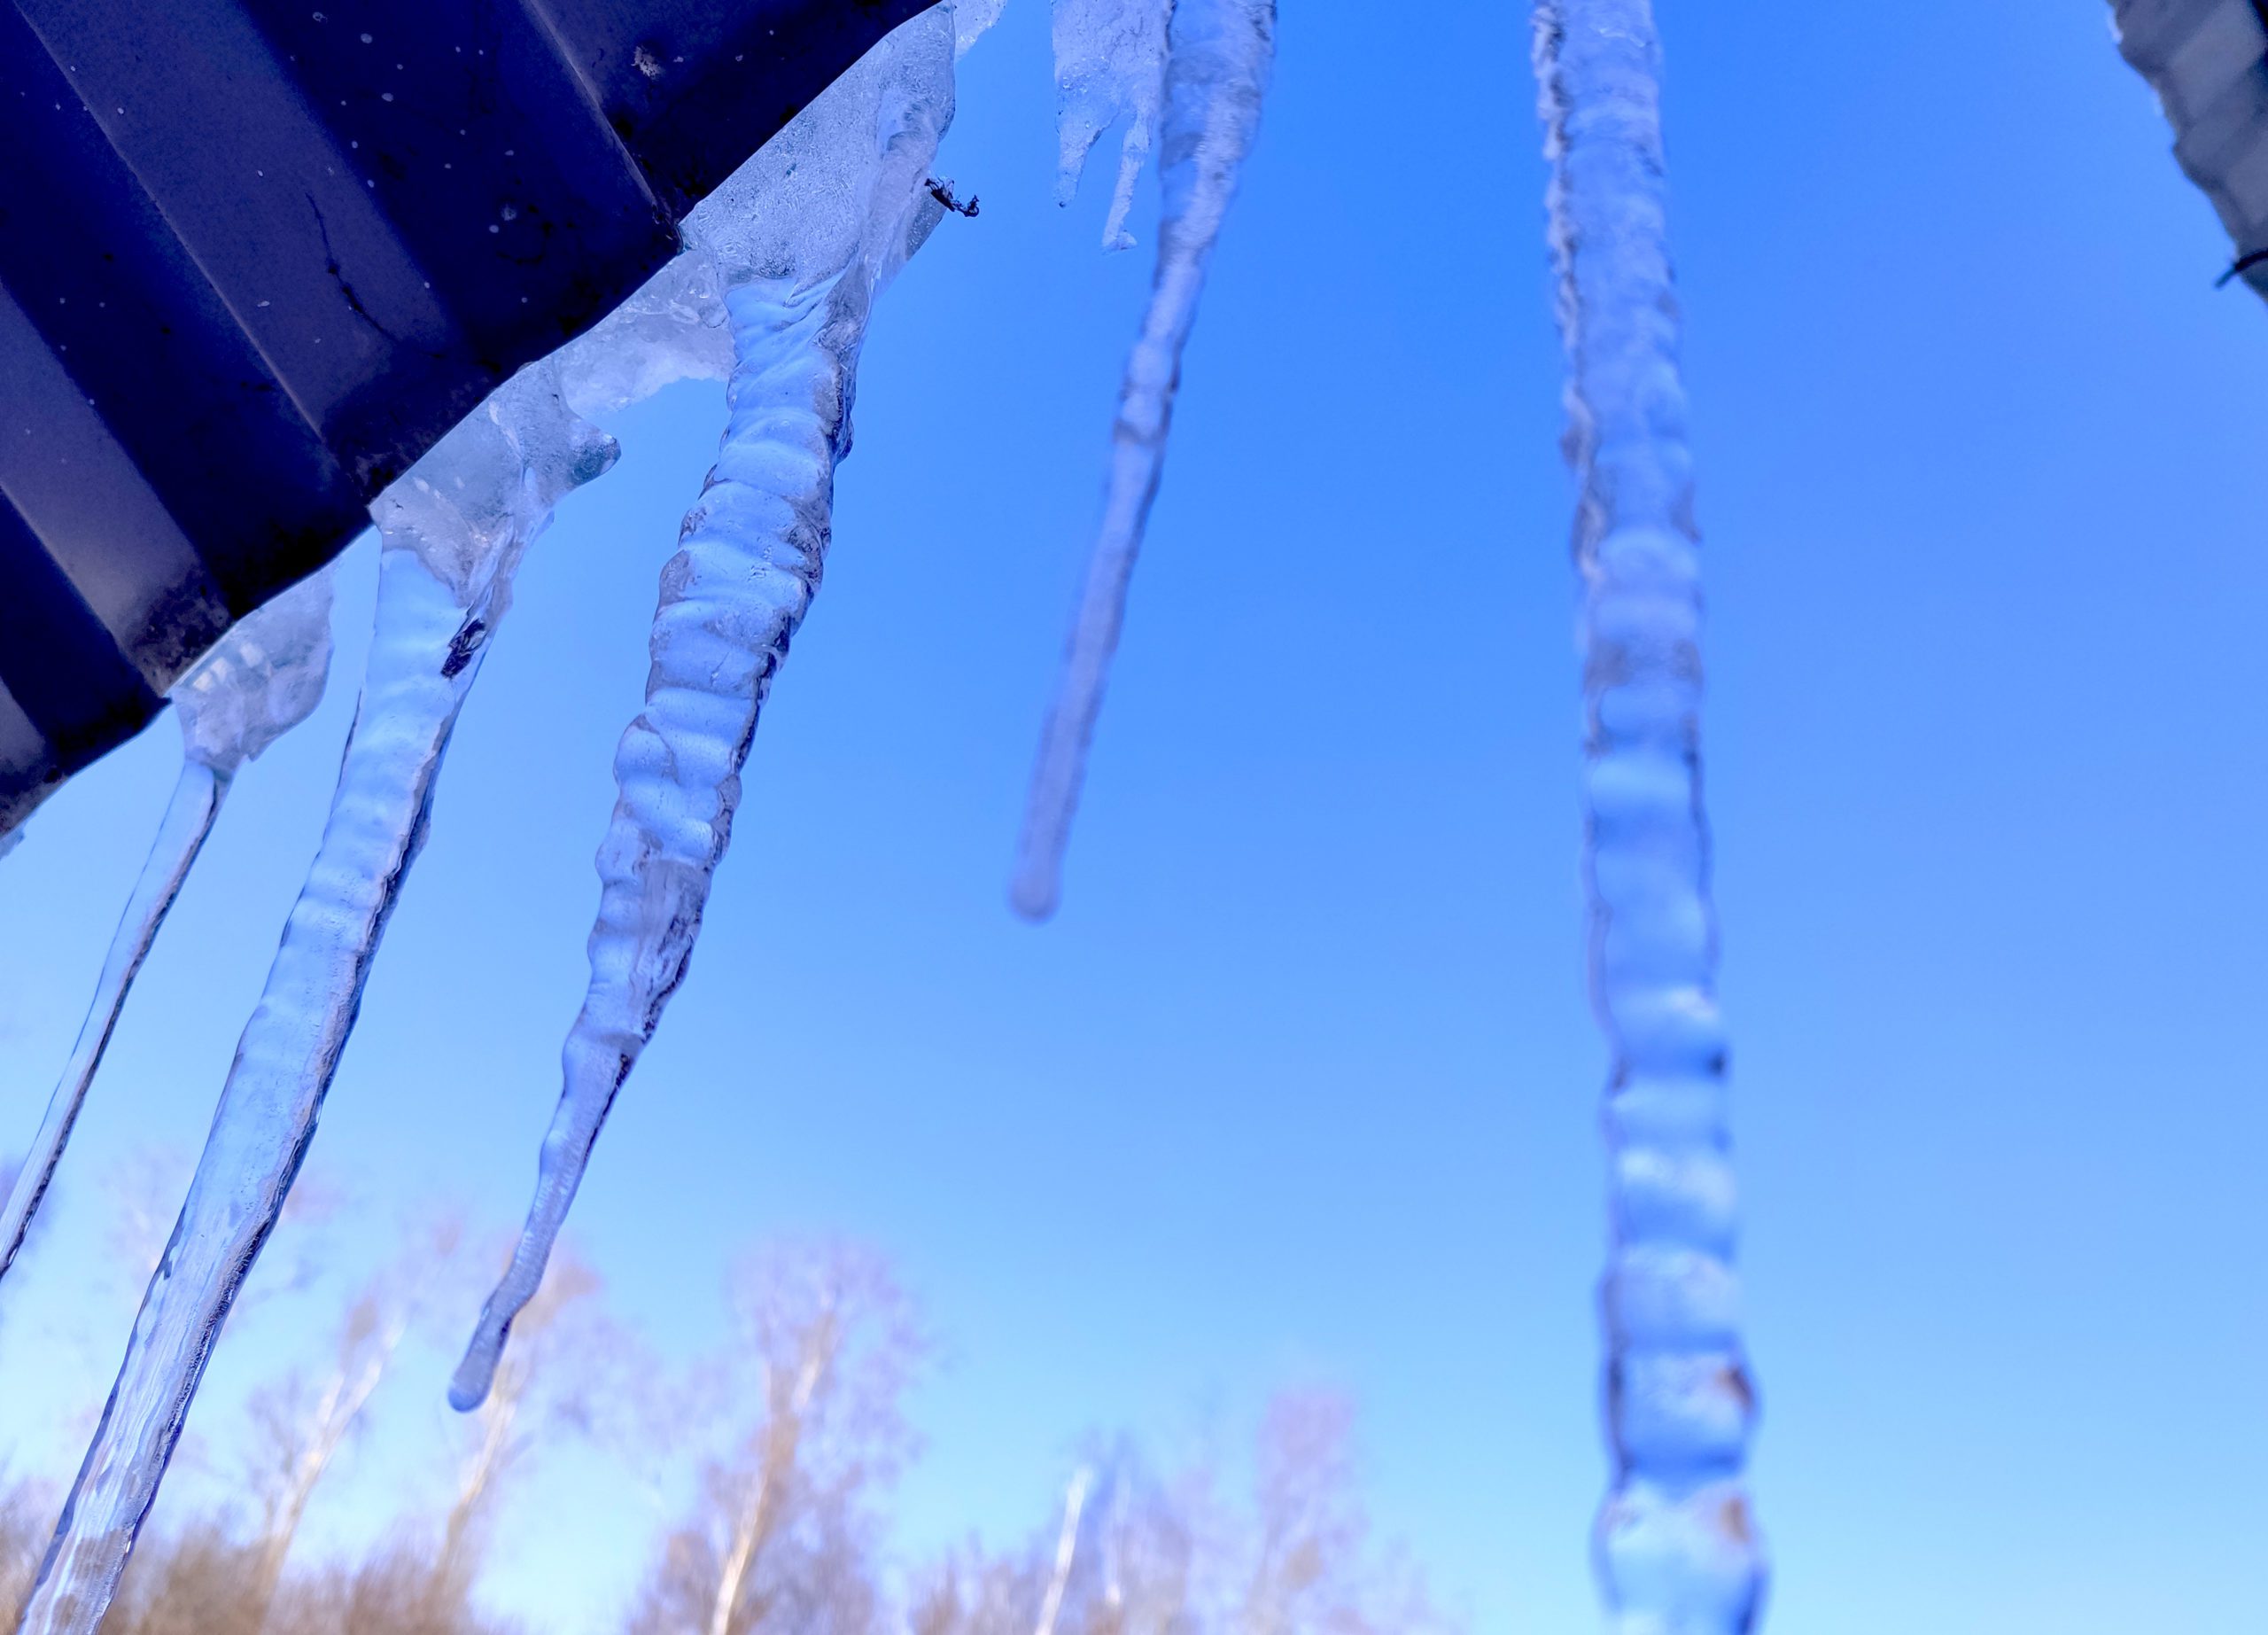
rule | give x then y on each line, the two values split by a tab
1676	1550
1218	53
803	238
455	528
260	679
1110	57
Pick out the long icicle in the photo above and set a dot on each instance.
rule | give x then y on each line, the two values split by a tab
455	529
799	279
1216	69
260	679
1676	1551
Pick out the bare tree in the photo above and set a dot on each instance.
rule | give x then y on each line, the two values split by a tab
1067	1550
23	1538
299	1425
781	1540
1116	1563
1134	1555
799	1427
973	1594
1313	1567
547	1381
138	1190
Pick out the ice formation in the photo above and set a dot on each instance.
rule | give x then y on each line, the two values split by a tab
1217	57
1676	1550
773	296
973	20
454	529
1110	62
802	240
260	679
673	328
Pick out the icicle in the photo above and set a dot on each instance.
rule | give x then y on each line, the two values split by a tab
1677	1552
802	237
673	329
973	20
1215	71
1110	57
454	528
260	679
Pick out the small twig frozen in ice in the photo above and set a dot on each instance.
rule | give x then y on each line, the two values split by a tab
942	193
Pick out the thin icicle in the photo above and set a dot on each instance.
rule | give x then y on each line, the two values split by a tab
1216	70
803	238
455	528
260	679
1677	1553
1110	65
189	819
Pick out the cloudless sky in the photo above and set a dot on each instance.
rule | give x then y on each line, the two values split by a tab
1301	1085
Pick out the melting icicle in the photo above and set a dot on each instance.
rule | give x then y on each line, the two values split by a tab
260	679
673	329
1677	1553
1216	69
455	528
1110	60
803	238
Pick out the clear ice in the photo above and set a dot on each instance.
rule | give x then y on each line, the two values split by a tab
1110	62
800	240
673	328
260	680
1676	1550
972	20
1217	59
454	529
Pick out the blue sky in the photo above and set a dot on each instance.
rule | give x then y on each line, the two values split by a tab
1302	1084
